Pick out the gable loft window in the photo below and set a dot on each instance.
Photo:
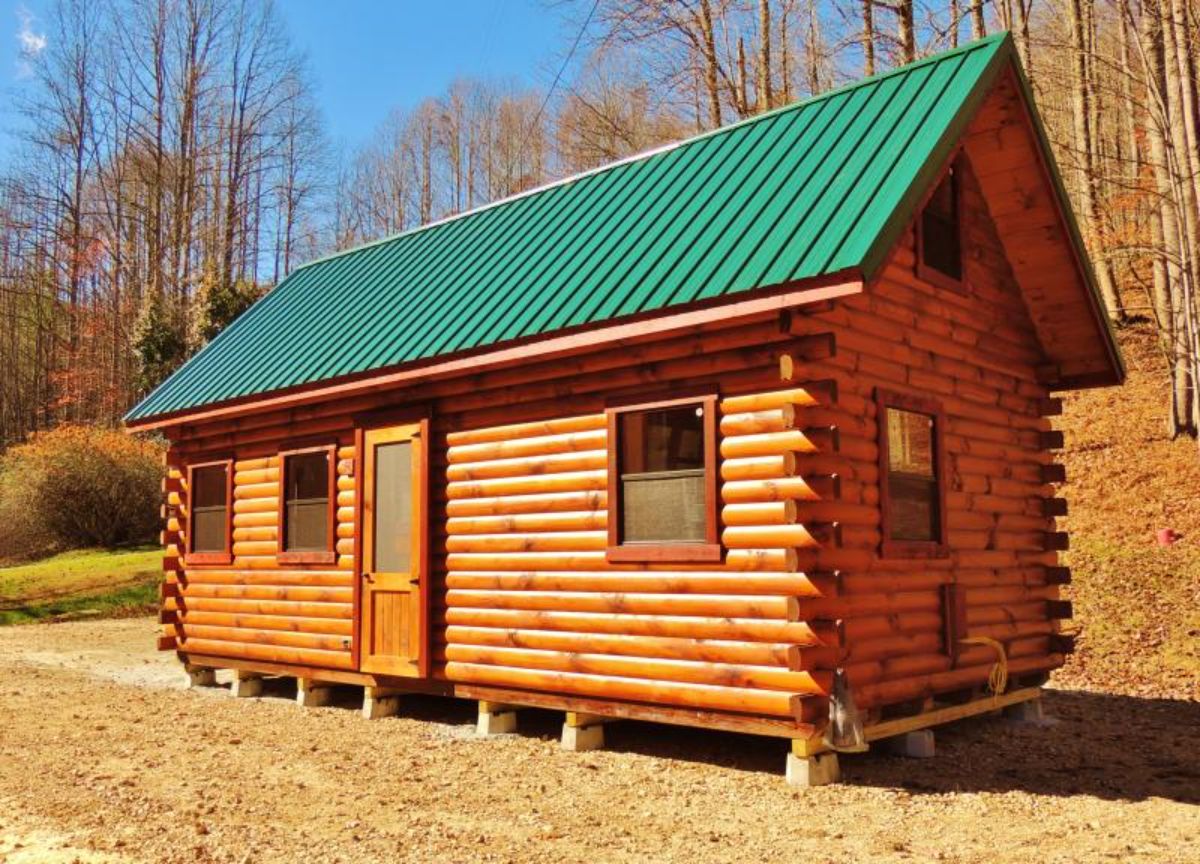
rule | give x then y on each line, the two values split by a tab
306	531
209	527
939	234
912	476
662	481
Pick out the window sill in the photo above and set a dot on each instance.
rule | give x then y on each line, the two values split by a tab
649	552
940	280
306	558
913	549
207	558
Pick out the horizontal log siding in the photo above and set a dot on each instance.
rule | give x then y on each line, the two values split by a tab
253	608
529	592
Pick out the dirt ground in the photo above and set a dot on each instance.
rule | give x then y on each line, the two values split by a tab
105	758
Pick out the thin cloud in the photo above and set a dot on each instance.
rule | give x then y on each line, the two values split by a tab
32	43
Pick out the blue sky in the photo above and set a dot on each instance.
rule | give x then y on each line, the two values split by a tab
366	57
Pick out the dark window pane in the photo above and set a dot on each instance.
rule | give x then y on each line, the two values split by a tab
392	531
662	475
210	485
210	508
940	239
912	476
913	508
670	439
306	502
308	475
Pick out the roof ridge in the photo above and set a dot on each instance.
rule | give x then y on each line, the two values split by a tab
657	151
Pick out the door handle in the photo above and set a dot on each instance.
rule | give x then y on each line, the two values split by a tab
367	577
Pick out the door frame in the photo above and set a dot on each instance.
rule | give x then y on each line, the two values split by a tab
421	416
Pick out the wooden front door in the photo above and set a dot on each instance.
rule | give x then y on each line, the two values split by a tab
392	602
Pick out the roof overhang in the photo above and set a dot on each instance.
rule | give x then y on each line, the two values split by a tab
1003	137
695	317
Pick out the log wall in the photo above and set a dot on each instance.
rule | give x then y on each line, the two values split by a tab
523	598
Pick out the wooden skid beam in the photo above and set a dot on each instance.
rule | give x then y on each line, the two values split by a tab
779	728
902	725
335	676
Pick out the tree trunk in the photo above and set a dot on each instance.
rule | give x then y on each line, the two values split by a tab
763	80
1081	106
978	27
1021	34
905	34
1172	254
868	36
711	81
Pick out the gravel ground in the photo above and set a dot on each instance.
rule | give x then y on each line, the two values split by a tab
105	757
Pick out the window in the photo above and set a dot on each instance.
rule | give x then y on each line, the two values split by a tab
210	488
911	476
308	478
662	481
939	235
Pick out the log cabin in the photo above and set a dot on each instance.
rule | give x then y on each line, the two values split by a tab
750	432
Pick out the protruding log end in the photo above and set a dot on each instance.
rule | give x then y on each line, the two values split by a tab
1058	575
167	643
806	349
1050	407
1059	610
1055	541
824	391
1062	643
826	533
825	439
1051	440
826	488
1054	507
1054	473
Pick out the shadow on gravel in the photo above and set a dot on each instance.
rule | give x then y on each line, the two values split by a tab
1111	747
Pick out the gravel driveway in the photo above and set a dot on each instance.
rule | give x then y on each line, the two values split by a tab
105	757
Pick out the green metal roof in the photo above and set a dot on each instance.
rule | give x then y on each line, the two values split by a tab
815	188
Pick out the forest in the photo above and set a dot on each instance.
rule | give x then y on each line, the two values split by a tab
173	164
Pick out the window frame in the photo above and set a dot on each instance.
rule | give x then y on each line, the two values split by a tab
328	555
889	548
709	550
209	557
953	171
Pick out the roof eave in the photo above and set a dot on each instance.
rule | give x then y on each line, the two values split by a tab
1082	260
722	311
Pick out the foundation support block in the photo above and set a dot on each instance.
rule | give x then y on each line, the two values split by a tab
820	769
313	694
913	745
246	684
1030	712
201	676
583	732
380	702
496	719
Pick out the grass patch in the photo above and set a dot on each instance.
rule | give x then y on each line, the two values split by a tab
88	582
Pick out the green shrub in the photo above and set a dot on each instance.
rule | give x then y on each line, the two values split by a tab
78	486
